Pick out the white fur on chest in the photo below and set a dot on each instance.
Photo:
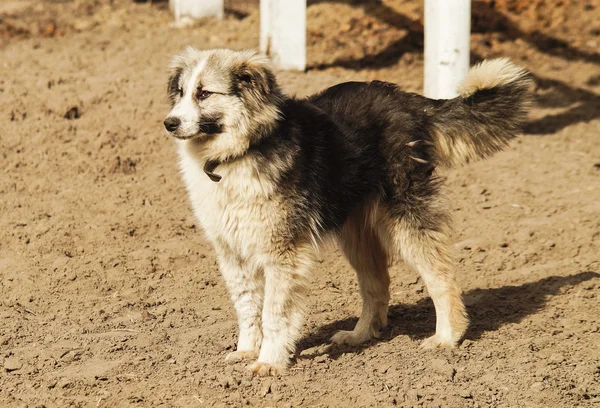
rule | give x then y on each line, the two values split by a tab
240	210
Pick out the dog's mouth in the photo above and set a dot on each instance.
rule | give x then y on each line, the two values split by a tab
185	137
207	128
203	128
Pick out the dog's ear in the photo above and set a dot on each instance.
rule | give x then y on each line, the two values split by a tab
255	77
176	68
173	83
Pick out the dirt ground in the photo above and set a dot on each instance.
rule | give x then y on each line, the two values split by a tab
110	297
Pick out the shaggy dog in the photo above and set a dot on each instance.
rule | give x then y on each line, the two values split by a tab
270	176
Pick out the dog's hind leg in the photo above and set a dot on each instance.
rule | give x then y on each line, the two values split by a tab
423	242
245	283
284	307
362	247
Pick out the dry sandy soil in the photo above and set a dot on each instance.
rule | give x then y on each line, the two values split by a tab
110	297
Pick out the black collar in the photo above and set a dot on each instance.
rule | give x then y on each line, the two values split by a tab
209	169
211	165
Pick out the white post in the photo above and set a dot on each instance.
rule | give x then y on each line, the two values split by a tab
283	32
265	26
193	9
447	46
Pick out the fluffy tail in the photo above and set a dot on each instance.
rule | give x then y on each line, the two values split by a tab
492	106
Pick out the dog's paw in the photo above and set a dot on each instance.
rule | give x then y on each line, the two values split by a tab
265	369
240	355
350	337
436	341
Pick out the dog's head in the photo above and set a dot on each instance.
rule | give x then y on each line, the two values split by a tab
221	98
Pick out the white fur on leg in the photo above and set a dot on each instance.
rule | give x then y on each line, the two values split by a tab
445	335
246	287
428	252
283	313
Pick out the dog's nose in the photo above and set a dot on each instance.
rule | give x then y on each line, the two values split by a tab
172	123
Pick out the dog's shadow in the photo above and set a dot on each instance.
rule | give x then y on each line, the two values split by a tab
488	309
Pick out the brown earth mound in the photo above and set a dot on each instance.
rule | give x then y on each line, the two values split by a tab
109	295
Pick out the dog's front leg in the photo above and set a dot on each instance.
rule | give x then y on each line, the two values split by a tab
283	312
245	282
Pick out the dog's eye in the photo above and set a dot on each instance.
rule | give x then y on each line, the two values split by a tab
202	94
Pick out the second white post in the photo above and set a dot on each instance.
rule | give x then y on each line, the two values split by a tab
447	46
283	32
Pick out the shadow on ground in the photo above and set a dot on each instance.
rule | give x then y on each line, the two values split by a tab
580	105
484	19
489	309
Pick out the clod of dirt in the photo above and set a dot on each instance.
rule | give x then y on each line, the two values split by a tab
383	367
72	113
146	315
443	368
49	29
321	359
125	166
537	386
266	389
593	80
313	351
12	364
63	383
466	394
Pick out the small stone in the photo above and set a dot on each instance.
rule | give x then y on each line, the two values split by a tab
146	315
72	113
321	359
63	383
383	367
12	364
466	394
537	386
245	383
83	25
312	351
266	389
